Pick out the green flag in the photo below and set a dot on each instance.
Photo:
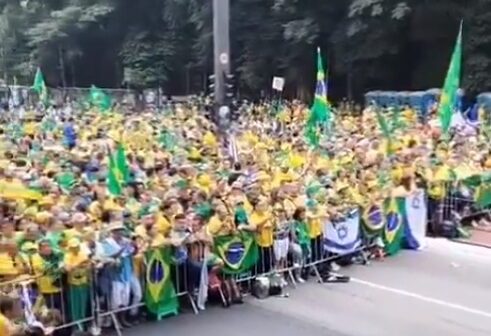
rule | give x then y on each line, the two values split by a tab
114	177
99	99
122	164
385	129
384	126
66	181
40	86
396	122
320	112
160	295
239	252
452	83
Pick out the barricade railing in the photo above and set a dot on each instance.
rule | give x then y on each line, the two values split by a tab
91	297
456	205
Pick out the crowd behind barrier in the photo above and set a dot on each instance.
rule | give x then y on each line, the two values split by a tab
108	237
113	291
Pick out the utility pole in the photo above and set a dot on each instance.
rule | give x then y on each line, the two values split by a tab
221	44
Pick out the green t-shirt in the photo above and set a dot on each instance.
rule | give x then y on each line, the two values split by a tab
302	233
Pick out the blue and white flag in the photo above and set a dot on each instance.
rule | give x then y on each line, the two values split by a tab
343	236
416	215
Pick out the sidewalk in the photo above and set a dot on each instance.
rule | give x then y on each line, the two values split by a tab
478	237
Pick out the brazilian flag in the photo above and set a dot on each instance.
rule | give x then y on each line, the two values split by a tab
395	216
160	295
239	252
373	220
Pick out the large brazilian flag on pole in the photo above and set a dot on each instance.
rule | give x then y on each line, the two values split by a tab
239	252
160	295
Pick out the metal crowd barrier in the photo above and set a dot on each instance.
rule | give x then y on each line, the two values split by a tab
91	304
457	204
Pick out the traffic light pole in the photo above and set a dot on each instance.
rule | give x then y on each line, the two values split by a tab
221	43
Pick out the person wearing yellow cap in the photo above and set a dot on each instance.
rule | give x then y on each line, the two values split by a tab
46	265
315	224
78	223
12	265
262	220
77	266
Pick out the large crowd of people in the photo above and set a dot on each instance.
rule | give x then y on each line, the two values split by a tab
188	183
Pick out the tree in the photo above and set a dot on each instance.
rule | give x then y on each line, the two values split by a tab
367	44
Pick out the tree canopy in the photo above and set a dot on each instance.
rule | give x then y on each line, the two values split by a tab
368	44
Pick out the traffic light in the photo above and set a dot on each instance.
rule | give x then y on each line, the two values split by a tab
229	86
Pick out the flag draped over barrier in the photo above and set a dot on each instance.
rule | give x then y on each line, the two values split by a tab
394	221
160	295
238	252
342	236
416	214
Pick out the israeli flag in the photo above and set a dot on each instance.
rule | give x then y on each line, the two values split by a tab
416	218
343	236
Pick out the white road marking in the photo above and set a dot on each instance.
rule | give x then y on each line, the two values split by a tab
423	298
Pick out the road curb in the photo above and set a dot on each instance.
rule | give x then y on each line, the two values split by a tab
461	241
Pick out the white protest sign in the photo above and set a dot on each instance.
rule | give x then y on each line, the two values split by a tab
278	83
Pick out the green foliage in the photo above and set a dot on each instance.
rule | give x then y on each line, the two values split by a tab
370	44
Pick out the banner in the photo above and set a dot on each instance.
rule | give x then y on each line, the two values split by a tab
394	224
343	236
238	252
160	295
416	214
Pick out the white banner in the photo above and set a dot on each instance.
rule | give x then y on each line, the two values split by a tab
416	214
343	236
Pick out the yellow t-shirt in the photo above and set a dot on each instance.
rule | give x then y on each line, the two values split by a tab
78	275
141	231
10	266
163	224
4	326
158	240
46	283
72	233
265	227
217	227
314	225
289	207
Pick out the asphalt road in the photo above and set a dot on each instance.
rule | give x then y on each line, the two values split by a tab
444	290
